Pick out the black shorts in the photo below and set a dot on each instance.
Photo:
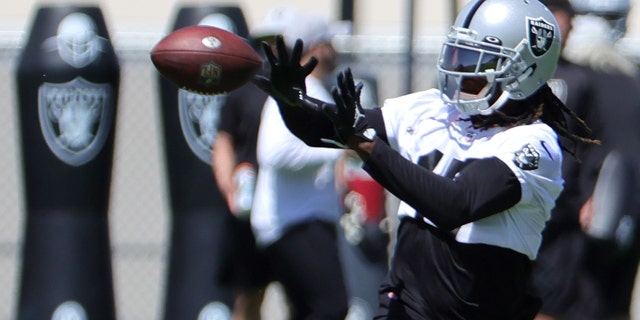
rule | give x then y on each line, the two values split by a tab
307	264
245	266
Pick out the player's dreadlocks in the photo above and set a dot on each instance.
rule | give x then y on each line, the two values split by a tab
543	105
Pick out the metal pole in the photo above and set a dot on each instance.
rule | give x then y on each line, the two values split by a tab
453	10
346	11
410	17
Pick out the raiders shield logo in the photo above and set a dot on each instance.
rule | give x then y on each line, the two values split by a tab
541	33
528	158
199	117
75	118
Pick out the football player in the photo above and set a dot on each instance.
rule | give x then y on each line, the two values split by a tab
476	162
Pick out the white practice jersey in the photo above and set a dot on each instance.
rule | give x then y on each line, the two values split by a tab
421	127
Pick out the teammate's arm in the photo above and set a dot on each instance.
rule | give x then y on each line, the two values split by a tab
223	162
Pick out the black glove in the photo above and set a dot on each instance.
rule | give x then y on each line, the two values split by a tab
302	114
287	79
347	114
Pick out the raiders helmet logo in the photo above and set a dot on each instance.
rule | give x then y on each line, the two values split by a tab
541	33
527	158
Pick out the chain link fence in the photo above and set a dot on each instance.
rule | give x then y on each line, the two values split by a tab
139	214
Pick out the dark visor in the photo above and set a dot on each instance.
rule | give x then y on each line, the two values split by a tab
459	59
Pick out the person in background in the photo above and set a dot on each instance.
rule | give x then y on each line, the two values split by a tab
366	225
476	163
235	165
581	274
566	287
364	202
296	206
365	234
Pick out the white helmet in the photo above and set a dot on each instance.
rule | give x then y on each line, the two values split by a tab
602	7
615	12
497	50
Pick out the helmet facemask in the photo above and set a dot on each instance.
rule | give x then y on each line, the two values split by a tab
472	73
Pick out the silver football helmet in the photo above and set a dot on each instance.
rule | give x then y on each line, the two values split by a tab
497	50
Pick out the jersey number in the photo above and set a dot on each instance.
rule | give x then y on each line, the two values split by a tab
431	160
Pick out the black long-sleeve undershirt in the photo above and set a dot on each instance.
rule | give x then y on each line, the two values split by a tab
482	188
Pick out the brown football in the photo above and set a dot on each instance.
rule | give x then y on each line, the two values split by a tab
205	60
